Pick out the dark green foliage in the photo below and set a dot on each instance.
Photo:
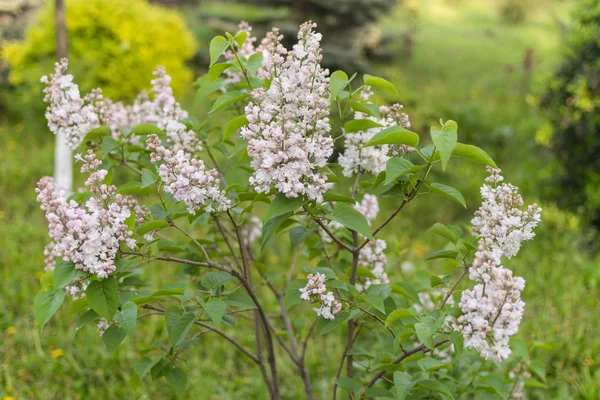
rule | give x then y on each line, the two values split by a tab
572	104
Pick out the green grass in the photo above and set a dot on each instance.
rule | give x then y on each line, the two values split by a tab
458	70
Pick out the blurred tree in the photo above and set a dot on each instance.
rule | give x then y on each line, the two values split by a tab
350	36
572	105
113	44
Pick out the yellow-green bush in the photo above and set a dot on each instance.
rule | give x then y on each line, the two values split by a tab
113	44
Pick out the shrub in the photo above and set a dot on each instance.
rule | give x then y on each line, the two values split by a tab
113	44
277	242
572	105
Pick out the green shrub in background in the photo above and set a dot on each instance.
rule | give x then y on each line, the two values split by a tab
113	44
572	104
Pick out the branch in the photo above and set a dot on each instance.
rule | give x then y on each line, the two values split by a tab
328	231
398	360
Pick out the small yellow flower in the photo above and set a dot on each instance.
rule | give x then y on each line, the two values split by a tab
11	330
273	259
39	274
9	398
1	214
11	145
57	353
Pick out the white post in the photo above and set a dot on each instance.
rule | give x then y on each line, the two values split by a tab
63	156
63	164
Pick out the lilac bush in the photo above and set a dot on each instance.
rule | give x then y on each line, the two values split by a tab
158	191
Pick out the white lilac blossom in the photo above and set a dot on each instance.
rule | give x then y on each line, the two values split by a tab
315	291
372	256
252	230
369	207
187	179
76	116
88	235
67	112
102	326
288	130
493	309
357	158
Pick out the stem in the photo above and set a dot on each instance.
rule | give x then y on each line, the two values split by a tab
328	231
449	293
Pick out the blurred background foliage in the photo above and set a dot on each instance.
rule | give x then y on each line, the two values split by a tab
520	78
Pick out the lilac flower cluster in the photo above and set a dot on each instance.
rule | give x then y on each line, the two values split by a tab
288	130
372	256
67	113
493	309
75	116
315	291
357	158
90	235
187	179
518	375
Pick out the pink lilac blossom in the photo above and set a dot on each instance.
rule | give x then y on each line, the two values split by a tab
102	326
518	375
357	158
187	179
76	116
288	130
67	112
88	235
493	309
315	291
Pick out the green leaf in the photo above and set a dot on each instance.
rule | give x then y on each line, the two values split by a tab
86	318
449	192
349	384
405	289
325	326
143	366
444	140
292	293
113	336
365	108
375	301
358	125
177	378
449	253
227	99
46	302
254	63
403	384
151	226
240	299
379	83
537	367
78	305
330	196
442	230
435	386
133	188
424	333
215	279
147	129
65	273
270	226
234	125
399	315
351	219
298	234
282	205
148	178
108	145
217	69
337	82
432	364
394	135
215	308
473	153
217	47
396	167
180	326
127	317
101	131
47	278
103	297
378	392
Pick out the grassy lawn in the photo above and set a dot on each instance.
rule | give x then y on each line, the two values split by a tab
466	66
